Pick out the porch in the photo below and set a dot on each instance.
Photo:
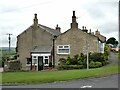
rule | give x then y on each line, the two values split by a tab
41	58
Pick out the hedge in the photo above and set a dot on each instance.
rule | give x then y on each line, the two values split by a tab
95	64
70	67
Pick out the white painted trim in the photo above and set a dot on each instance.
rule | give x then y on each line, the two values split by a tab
43	55
44	61
33	54
63	48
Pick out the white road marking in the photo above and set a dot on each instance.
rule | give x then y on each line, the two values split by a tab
86	86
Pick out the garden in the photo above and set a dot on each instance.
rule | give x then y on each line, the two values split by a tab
79	61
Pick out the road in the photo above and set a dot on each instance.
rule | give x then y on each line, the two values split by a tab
110	81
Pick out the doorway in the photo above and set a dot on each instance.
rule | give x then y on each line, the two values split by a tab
40	63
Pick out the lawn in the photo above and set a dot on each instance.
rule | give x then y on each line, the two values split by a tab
7	52
52	76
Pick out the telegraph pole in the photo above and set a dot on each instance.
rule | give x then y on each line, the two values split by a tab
9	39
87	60
87	51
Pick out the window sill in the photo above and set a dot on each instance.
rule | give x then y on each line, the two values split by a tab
63	53
46	64
28	64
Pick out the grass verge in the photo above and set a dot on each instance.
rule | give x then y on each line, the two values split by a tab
54	76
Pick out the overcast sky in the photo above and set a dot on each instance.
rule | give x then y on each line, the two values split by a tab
17	15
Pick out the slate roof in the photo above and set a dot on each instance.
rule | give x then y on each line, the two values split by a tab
50	30
101	38
42	49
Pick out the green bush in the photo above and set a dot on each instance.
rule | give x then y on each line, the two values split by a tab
69	67
95	60
96	57
105	63
68	60
62	61
106	52
95	64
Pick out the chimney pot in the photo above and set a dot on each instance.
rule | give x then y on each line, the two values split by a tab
35	19
58	28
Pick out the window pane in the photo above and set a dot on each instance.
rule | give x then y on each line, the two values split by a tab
34	56
46	56
46	61
60	46
34	61
63	51
66	46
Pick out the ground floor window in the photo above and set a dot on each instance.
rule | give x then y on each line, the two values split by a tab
34	60
46	59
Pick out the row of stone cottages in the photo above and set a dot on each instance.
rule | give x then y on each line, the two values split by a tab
40	45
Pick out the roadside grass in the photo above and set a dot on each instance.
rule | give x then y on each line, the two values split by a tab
0	78
14	78
118	56
12	52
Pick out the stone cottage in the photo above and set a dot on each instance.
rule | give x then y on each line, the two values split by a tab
40	47
75	41
35	46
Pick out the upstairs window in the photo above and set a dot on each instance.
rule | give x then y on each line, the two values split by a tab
63	49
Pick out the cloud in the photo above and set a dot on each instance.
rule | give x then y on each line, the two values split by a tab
17	15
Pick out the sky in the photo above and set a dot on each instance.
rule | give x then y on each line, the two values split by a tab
17	15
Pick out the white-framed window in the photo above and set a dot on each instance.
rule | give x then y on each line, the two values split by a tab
46	60
34	60
63	49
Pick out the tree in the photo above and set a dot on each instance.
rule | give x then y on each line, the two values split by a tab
112	41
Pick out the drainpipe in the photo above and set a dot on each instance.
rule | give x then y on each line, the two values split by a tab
31	61
54	51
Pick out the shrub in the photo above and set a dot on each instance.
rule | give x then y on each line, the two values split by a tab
95	64
106	52
62	61
68	60
69	67
99	57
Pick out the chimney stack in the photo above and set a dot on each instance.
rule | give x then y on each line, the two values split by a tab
74	24
84	29
90	31
58	28
97	33
35	19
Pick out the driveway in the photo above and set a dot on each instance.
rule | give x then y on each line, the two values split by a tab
113	60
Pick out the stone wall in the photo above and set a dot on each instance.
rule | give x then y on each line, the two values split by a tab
78	40
33	36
